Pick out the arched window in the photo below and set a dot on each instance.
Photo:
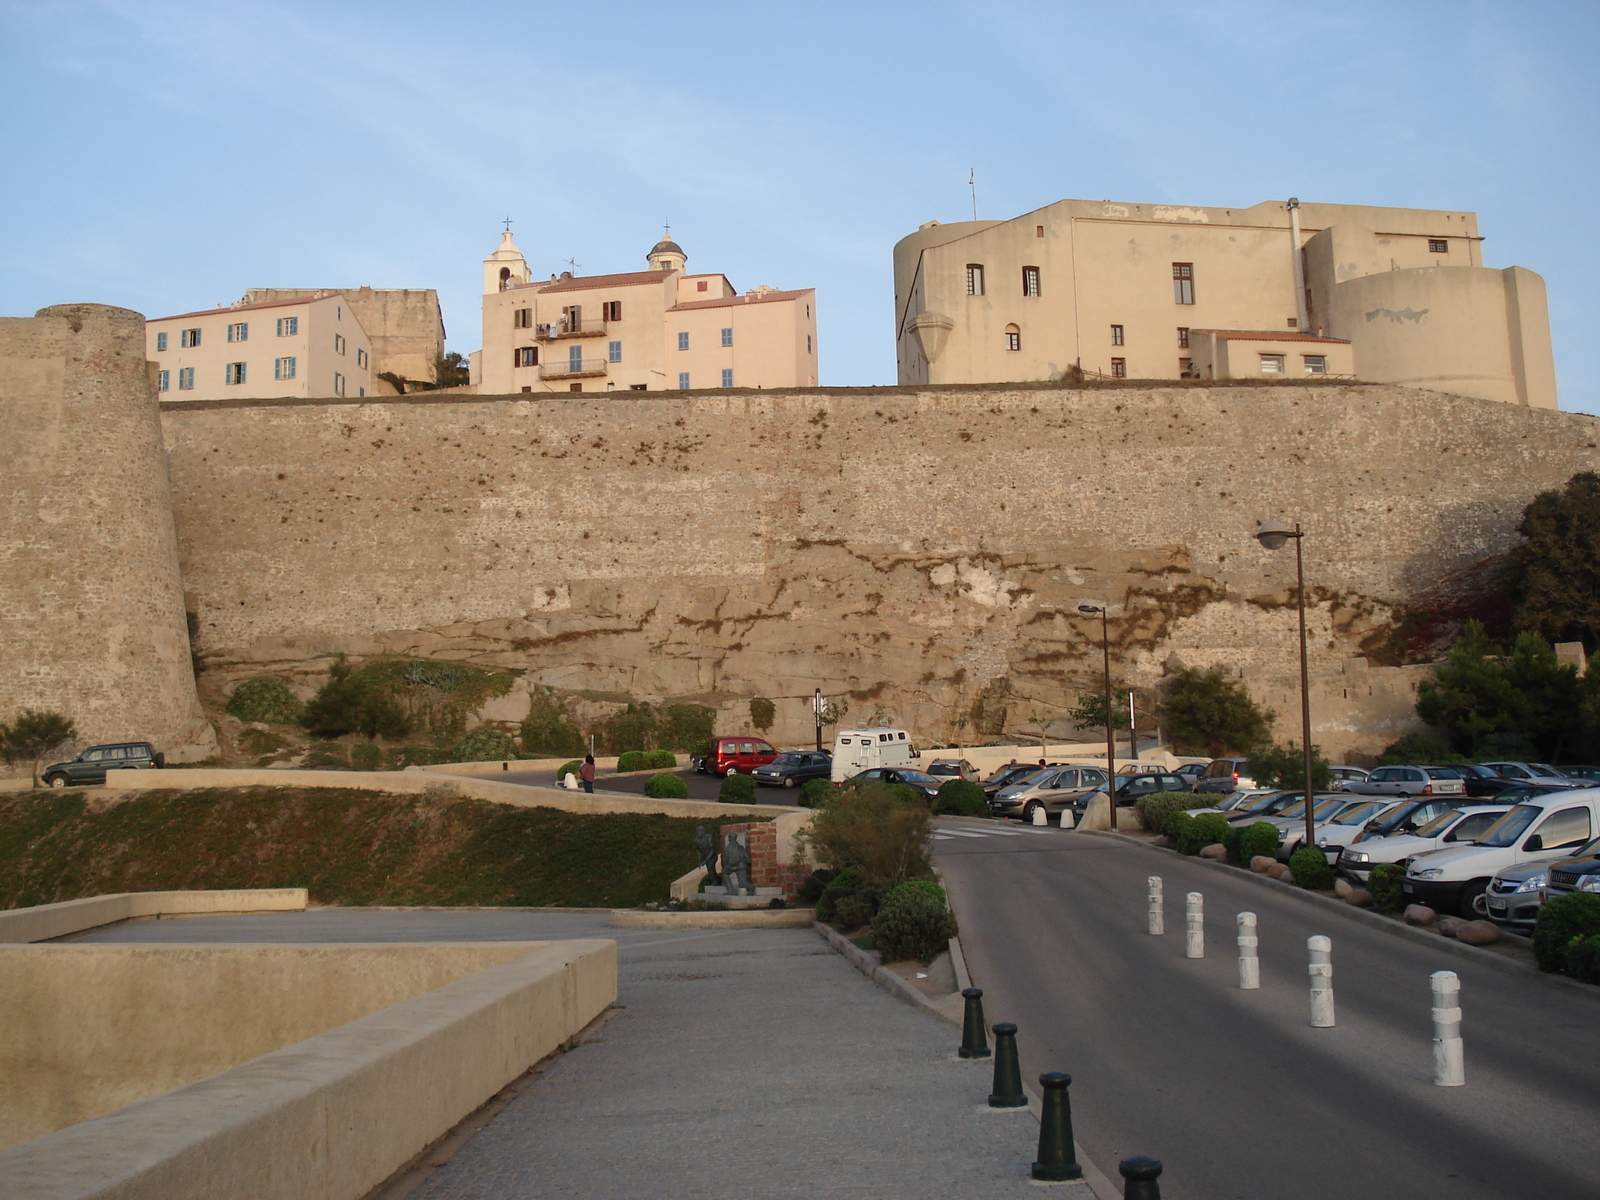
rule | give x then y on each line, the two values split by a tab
1013	338
505	277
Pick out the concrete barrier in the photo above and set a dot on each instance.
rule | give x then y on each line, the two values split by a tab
46	921
746	918
334	1115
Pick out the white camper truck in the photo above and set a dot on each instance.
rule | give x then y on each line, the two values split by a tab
857	750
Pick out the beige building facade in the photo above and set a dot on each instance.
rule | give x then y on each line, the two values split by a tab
312	346
661	329
1155	291
404	325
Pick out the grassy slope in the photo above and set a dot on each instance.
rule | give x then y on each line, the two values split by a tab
345	846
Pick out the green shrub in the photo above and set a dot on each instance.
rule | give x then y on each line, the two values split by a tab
738	789
762	713
548	728
1285	767
666	786
1310	869
366	756
664	760
265	699
1259	839
354	703
485	745
814	793
699	748
811	886
1232	839
569	768
326	756
1176	827
912	923
684	726
858	908
870	829
921	885
1564	918
1154	810
1417	747
1383	884
837	887
634	728
961	798
1195	833
1582	959
631	760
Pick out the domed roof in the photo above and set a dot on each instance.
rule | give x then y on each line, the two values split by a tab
667	246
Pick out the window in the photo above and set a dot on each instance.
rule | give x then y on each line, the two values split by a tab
1438	246
1316	364
189	337
338	315
233	372
1183	283
611	310
974	279
727	377
239	332
1183	337
683	381
1294	322
338	384
727	337
614	352
361	391
683	341
163	380
1119	368
525	356
1272	364
574	358
338	343
1186	368
1116	335
700	286
638	387
185	379
1569	827
808	312
522	318
288	326
1038	231
283	368
808	343
361	357
1013	338
161	341
1030	281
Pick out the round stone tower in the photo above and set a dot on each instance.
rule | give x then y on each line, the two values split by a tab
92	620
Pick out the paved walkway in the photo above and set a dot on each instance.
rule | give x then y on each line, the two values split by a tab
753	1062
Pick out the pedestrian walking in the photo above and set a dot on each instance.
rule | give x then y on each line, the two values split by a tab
586	773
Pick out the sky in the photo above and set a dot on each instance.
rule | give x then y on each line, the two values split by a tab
166	156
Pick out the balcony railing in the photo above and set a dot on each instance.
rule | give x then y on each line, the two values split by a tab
555	330
573	368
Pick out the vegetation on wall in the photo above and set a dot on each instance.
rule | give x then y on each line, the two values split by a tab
640	727
392	697
33	735
549	729
1206	712
265	699
762	713
1553	578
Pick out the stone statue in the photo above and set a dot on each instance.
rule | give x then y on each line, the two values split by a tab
736	867
706	847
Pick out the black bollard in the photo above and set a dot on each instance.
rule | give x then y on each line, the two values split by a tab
1141	1174
1057	1158
1007	1075
974	1041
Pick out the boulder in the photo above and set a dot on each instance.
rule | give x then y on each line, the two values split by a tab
1342	888
1358	897
1279	870
1216	851
1163	840
1478	933
1419	914
1261	864
1450	926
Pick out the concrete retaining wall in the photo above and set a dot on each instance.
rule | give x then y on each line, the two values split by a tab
46	921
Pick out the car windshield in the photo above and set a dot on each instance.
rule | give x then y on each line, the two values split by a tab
788	759
944	768
1443	773
1547	770
1233	802
1511	826
1360	813
1440	823
916	777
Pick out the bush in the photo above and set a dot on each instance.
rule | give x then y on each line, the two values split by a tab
366	756
1417	747
849	900
1232	840
1582	959
738	789
961	798
485	745
666	786
265	699
660	759
1564	918
922	885
814	793
354	703
1154	809
686	727
912	923
1383	884
839	885
417	756
1198	832
631	760
568	768
700	748
872	830
1285	767
548	728
328	756
1310	869
1260	838
1176	827
762	713
811	886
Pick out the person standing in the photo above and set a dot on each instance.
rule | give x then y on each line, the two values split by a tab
586	773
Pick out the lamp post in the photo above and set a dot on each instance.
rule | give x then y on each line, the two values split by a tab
816	707
1274	535
1111	735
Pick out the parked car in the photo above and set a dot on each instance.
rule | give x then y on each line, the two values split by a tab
1344	775
1580	873
1516	894
1482	782
1239	802
1131	787
1191	773
1226	775
733	756
1407	817
1538	829
1453	826
1263	806
1590	773
1410	781
926	784
1052	789
1541	773
793	767
90	767
1326	807
1008	775
953	768
1344	826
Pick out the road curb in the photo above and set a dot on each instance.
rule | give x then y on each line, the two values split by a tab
1450	946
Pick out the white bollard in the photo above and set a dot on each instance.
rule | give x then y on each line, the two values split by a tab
1249	962
1449	1059
570	782
1068	821
1321	981
1040	817
1158	923
1195	946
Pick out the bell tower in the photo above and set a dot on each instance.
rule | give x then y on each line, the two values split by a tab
505	266
667	255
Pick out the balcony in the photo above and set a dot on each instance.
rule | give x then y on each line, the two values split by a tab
554	331
573	368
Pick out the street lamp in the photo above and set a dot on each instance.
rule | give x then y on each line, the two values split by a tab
1274	535
816	707
1111	744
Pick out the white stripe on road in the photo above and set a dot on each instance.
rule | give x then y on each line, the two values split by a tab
961	832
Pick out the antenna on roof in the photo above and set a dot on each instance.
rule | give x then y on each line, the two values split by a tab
507	224
573	263
972	182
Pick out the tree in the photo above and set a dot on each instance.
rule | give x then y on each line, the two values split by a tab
1285	767
548	728
33	735
1090	712
353	703
451	370
835	711
1554	577
1211	712
1485	698
762	713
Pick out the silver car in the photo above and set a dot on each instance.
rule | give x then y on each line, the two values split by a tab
1052	789
1540	773
1291	822
1515	894
1405	782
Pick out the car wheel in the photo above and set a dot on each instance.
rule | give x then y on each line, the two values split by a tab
731	772
1028	811
791	782
55	781
1402	796
1474	904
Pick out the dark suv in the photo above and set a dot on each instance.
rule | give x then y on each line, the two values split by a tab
91	766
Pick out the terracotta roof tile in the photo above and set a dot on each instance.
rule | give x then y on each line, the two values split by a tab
584	283
222	312
733	301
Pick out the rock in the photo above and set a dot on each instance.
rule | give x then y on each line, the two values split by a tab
1450	926
1342	888
1279	870
1358	897
1261	864
1215	851
1163	840
1419	914
1478	933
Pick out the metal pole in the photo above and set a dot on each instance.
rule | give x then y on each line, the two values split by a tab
816	708
1305	687
1133	730
1111	730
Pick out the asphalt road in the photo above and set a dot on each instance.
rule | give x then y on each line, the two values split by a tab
701	787
1234	1091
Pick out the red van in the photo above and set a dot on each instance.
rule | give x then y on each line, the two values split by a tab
730	756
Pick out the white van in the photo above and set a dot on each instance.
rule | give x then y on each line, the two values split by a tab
857	750
1540	828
